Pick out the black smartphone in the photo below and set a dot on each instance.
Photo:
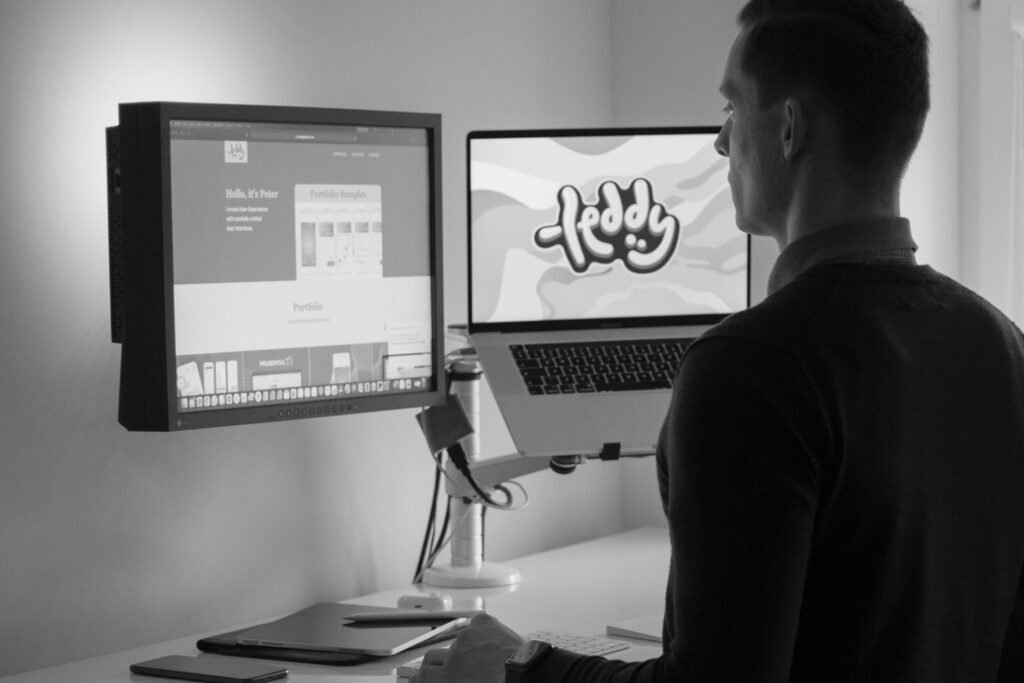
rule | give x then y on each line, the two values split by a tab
210	669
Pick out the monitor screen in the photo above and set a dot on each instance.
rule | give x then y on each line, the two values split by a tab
274	263
607	224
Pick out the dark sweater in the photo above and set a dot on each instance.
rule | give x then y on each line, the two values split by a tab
842	468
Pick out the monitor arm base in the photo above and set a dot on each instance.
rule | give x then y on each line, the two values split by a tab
483	575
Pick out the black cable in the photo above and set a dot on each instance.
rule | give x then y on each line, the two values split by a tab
483	529
444	528
428	533
458	458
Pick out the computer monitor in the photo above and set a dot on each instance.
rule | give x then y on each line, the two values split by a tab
273	263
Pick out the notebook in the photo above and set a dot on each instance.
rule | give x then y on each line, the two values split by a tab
324	628
605	238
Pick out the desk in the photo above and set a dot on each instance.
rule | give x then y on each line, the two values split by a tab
575	589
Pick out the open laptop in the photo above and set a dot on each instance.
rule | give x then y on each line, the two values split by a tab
614	238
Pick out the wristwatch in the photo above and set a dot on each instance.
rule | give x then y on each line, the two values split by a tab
532	653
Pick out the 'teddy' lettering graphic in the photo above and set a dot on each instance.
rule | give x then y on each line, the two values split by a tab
625	224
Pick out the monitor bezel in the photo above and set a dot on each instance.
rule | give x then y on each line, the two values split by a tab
148	395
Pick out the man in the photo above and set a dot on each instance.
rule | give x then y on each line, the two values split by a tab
842	466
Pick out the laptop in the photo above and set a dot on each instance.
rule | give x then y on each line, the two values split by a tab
596	244
325	628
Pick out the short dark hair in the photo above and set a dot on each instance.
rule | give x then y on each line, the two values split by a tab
865	60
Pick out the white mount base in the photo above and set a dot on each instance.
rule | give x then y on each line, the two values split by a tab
485	575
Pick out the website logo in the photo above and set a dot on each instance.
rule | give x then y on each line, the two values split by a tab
625	224
236	152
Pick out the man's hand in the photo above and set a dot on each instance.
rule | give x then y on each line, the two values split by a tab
478	654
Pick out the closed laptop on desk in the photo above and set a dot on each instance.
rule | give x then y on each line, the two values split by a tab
595	256
324	627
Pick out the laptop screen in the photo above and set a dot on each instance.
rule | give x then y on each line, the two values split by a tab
597	226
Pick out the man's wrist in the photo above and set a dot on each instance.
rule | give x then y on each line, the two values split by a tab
527	657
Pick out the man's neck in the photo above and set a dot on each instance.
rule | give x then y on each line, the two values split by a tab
822	201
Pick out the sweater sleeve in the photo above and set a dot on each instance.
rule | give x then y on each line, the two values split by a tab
1011	665
739	449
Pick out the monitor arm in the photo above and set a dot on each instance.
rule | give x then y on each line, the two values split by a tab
452	427
494	471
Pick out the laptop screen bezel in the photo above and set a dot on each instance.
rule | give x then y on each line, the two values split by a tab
474	326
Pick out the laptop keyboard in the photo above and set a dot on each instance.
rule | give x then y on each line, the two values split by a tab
589	367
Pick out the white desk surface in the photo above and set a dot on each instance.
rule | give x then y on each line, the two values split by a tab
575	589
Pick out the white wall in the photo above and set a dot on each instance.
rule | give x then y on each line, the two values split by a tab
931	188
987	109
109	539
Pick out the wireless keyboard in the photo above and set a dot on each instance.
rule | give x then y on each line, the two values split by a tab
584	645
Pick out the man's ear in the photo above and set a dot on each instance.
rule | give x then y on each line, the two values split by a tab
794	132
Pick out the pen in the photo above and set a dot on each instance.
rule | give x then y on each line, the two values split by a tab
412	615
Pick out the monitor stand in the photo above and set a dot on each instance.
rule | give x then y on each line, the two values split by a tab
468	569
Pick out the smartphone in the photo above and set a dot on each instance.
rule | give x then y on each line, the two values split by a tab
210	669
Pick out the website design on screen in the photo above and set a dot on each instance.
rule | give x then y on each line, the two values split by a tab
301	264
